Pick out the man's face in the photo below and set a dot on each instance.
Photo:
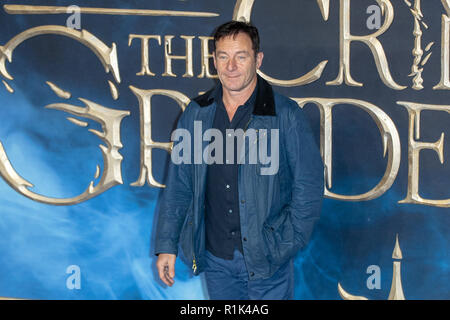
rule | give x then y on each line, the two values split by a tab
236	63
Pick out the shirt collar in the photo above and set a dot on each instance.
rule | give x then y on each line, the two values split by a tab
264	103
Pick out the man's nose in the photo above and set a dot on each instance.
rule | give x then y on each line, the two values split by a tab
231	64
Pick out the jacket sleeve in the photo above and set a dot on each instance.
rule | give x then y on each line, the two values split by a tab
175	201
307	172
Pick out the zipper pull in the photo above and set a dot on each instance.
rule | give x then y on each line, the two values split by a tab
194	266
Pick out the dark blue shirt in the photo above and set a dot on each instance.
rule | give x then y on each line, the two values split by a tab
223	231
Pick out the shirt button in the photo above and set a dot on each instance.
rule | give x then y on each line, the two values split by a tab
245	239
228	186
230	211
233	233
242	201
252	274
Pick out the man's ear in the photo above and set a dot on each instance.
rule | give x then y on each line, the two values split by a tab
259	59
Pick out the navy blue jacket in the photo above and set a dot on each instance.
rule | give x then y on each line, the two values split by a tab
277	212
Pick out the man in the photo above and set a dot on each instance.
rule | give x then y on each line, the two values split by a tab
241	226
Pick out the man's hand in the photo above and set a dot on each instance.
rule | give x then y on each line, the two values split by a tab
166	267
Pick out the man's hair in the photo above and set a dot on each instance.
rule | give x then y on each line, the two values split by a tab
233	28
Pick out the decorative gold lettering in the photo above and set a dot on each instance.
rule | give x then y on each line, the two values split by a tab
418	63
206	56
147	143
414	148
24	9
242	12
108	56
444	84
168	57
113	90
346	38
77	122
389	134
110	120
58	91
8	87
145	68
324	6
396	292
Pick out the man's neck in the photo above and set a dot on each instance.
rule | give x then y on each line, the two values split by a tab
233	99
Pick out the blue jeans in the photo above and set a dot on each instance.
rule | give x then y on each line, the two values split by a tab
228	280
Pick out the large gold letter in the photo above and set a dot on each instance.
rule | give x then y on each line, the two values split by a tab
371	41
147	143
206	56
110	121
444	84
168	57
145	63
389	135
414	148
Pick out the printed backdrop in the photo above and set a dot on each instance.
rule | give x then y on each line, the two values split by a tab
91	91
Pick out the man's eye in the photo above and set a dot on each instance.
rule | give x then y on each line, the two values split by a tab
242	58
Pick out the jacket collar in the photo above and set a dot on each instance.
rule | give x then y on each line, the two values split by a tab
264	101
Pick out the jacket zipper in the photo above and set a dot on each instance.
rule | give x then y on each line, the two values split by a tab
194	263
